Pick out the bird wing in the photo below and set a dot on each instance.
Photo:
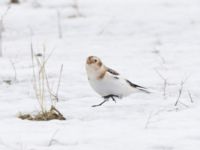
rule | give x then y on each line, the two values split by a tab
141	88
112	71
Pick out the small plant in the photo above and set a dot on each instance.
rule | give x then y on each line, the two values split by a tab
14	1
2	30
76	8
42	89
53	113
60	34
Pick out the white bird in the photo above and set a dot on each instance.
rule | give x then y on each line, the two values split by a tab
107	82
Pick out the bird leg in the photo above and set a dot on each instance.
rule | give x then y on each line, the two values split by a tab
106	98
113	99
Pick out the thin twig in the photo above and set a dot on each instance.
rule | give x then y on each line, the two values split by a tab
60	35
14	68
76	7
46	60
59	80
35	85
148	120
183	104
161	57
52	96
180	90
165	83
53	138
56	110
190	96
43	77
2	29
179	93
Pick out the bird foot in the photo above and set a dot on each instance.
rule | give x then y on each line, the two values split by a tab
106	99
100	103
112	96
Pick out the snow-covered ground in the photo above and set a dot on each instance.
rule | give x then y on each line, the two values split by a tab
139	38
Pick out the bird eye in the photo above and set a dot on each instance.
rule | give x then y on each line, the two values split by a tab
95	60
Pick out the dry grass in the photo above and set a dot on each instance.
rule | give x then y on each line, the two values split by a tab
52	114
2	29
14	1
43	92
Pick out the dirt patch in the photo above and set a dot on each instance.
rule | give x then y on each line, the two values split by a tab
52	114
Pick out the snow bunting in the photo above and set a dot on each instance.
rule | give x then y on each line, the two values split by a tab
107	82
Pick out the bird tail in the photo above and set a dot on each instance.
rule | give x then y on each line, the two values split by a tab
143	89
140	88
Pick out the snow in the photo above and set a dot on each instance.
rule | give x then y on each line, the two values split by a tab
136	38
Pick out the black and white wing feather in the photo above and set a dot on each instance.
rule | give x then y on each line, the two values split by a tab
116	75
141	88
113	72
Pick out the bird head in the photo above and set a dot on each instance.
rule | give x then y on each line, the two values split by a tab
95	68
94	62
